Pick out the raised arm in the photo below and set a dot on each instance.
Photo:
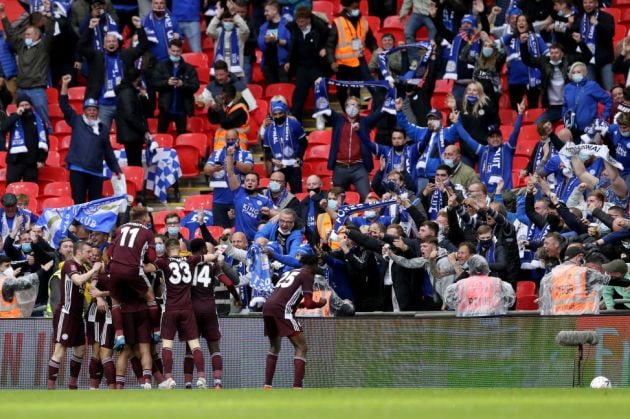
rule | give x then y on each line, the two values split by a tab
233	180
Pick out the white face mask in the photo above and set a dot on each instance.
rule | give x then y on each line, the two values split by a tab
8	272
555	62
370	214
354	12
352	110
434	125
577	77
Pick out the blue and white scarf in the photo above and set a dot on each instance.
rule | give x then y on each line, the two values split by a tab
453	55
260	271
436	204
429	149
113	74
110	28
492	166
533	74
149	27
587	30
346	210
17	142
419	73
322	104
235	56
277	202
490	254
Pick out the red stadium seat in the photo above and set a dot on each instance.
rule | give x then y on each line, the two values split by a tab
524	148
506	131
259	168
57	188
530	115
263	183
526	295
284	89
620	33
261	112
62	128
52	94
195	124
528	133
352	198
196	59
196	139
53	159
3	159
317	152
76	94
325	7
54	113
393	22
164	140
53	174
320	137
53	143
373	22
135	176
108	189
504	102
444	86
256	90
507	116
57	202
517	180
30	189
188	160
194	202
614	12
519	162
203	74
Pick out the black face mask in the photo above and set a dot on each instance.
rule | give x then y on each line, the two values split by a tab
159	13
399	147
316	190
485	243
250	191
280	120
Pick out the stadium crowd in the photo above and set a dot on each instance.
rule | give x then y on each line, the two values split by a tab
479	162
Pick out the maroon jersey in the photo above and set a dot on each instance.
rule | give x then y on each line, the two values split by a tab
178	278
133	245
204	280
72	296
288	293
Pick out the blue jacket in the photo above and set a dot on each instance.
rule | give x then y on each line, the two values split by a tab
283	33
7	58
487	155
87	150
365	126
186	11
622	148
582	98
294	240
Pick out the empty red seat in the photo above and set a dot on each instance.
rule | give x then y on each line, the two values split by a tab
53	174
57	202
317	152
325	7
194	202
284	89
134	175
164	140
188	160
196	139
320	137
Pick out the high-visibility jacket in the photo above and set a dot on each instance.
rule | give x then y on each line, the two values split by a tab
324	227
243	130
9	309
567	290
479	296
345	54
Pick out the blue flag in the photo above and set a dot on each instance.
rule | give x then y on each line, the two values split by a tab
344	212
322	104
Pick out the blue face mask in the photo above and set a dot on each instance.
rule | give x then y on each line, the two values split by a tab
26	248
228	26
173	231
274	186
332	204
487	51
28	42
159	248
473	98
449	162
174	58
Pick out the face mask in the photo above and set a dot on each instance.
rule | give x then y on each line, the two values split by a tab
228	26
449	162
8	272
26	247
399	147
370	214
434	125
316	190
159	248
625	134
175	58
332	204
469	31
352	110
485	243
307	29
577	77
354	12
473	98
555	62
173	231
584	157
28	42
280	120
487	51
274	186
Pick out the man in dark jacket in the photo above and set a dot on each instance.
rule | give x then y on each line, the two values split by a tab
176	81
306	56
131	116
107	67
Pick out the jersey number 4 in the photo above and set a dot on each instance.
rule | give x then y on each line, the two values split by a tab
202	276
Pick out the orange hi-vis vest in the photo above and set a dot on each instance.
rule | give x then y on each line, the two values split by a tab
350	41
479	296
9	309
243	130
568	292
324	227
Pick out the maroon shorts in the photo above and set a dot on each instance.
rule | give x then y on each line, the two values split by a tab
181	322
280	327
94	325
127	283
137	327
208	324
68	330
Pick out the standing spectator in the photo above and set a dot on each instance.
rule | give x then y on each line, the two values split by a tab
131	116
187	14
278	314
274	40
463	174
89	146
230	111
241	7
211	95
587	94
348	38
33	60
107	67
106	24
307	55
8	64
597	29
161	27
284	144
229	33
80	9
465	46
480	294
176	81
28	142
310	208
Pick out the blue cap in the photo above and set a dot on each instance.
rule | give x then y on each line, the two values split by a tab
514	11
279	106
89	102
305	249
469	19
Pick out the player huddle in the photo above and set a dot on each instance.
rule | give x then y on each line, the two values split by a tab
124	316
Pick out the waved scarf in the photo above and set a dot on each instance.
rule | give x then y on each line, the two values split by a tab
437	203
489	254
113	75
492	166
587	30
429	149
110	27
539	155
346	210
17	142
534	74
453	54
235	56
149	27
419	73
322	104
260	270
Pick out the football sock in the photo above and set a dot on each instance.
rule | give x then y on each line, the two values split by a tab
53	372
136	366
270	367
299	365
109	370
217	367
117	319
199	362
75	370
167	358
93	369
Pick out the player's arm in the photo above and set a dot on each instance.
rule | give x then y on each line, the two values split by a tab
80	279
310	303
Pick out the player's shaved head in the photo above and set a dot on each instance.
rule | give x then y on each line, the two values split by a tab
172	244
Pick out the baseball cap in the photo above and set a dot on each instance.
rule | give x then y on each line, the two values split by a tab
616	266
9	199
435	113
469	19
572	252
514	11
89	102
